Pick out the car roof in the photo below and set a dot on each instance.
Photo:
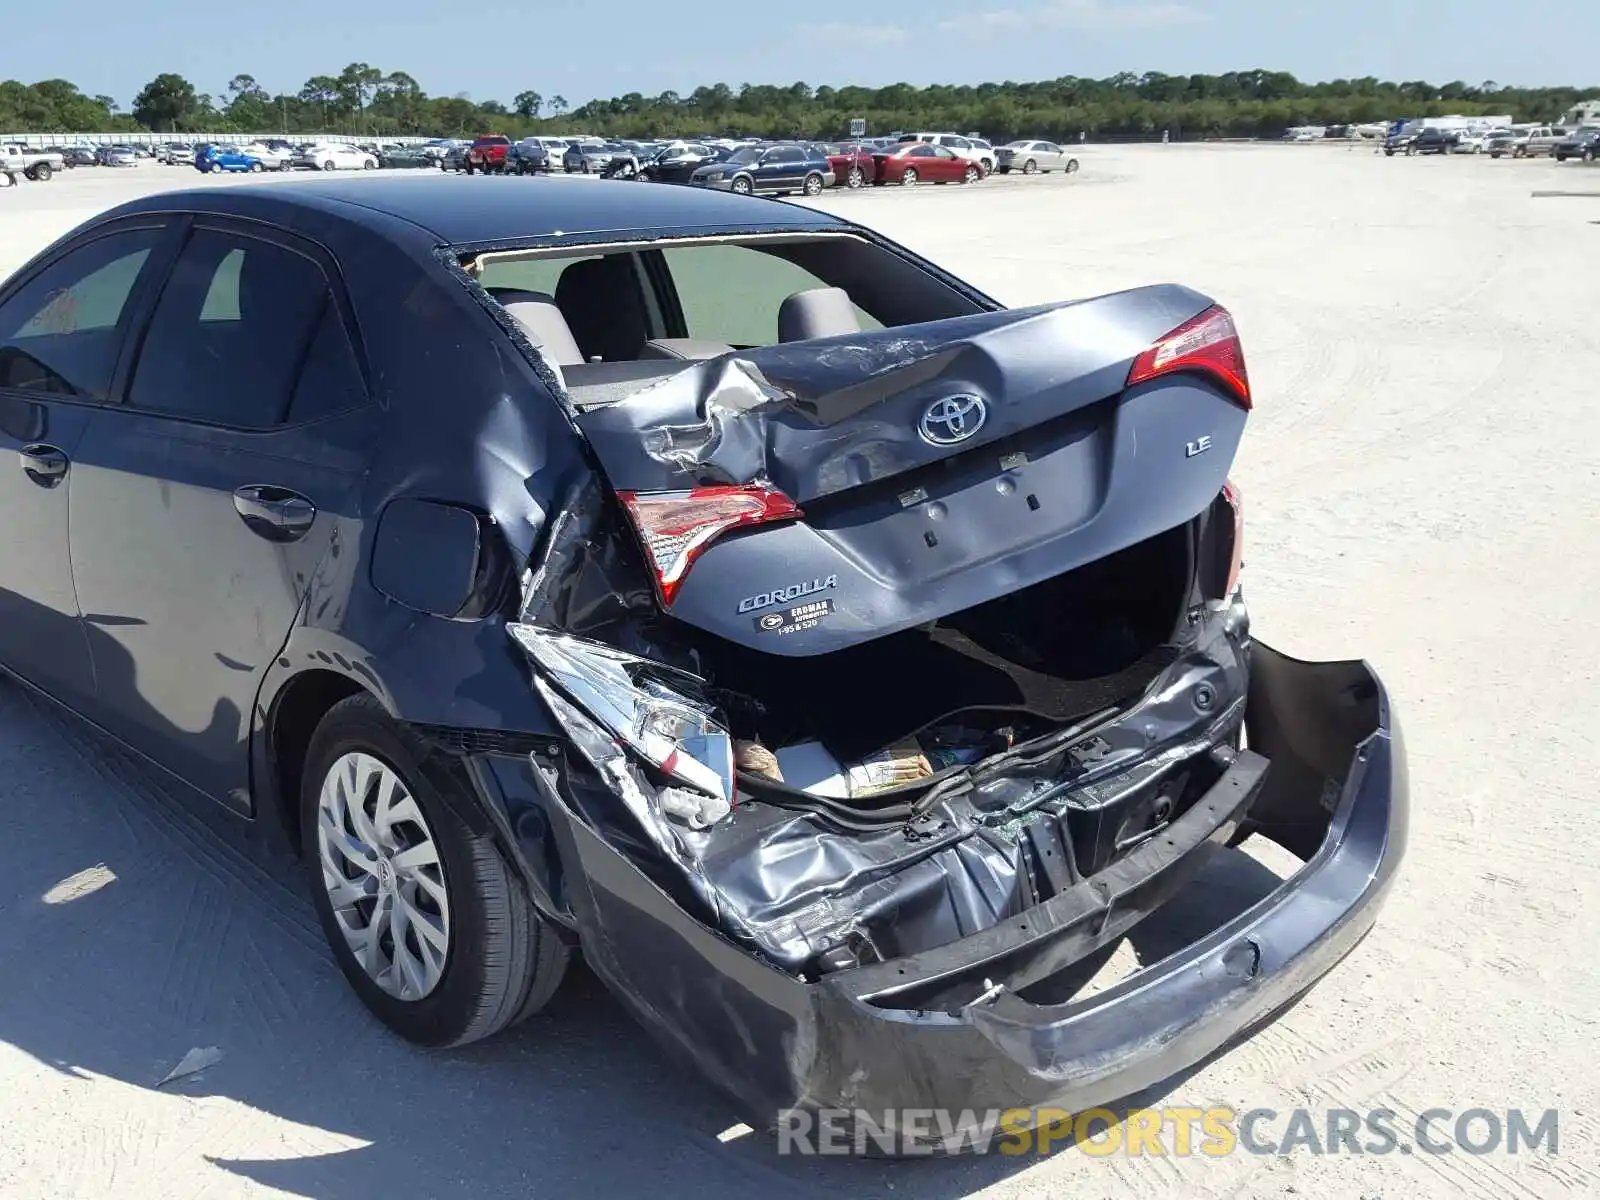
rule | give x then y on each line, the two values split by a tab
462	211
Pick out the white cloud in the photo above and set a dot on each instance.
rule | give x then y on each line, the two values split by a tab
848	34
1081	14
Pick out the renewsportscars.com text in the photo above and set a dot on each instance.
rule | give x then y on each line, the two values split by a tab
1175	1131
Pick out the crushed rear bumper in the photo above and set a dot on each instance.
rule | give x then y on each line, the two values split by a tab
1324	775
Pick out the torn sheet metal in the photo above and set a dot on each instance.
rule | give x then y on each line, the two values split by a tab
826	414
810	894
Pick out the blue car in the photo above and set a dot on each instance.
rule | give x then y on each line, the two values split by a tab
224	158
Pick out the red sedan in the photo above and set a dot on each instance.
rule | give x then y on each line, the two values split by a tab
918	162
851	164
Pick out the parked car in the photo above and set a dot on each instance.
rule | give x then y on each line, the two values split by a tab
487	154
335	156
415	465
527	157
439	147
37	165
1580	143
1537	141
272	157
911	163
1033	156
79	156
851	163
1503	142
623	165
454	159
588	158
412	158
963	147
210	157
1422	141
1472	141
767	170
676	163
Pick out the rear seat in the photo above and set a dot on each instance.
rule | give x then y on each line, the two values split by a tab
597	383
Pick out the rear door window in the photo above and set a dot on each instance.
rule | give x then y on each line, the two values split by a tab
61	332
236	319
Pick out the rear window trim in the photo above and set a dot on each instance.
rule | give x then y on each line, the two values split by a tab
474	263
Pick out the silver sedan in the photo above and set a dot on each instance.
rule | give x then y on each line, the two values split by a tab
1031	157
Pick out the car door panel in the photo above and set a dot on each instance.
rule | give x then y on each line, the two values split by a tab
785	174
40	634
194	541
184	606
61	331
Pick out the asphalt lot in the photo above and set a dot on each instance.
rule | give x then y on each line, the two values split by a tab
1422	482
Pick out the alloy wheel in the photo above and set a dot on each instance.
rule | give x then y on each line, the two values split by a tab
384	878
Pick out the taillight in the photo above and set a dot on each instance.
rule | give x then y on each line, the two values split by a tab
680	736
1208	343
676	527
1230	493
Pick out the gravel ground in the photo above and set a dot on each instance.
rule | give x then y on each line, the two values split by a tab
1422	478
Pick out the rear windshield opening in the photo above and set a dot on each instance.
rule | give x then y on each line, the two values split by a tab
625	315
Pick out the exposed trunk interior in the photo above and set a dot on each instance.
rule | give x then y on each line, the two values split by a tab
1030	660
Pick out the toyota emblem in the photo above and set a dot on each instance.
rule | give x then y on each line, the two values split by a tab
952	419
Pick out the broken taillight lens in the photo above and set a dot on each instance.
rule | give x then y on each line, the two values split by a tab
1230	493
676	527
1209	344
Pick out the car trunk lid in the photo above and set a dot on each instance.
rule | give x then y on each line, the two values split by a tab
935	466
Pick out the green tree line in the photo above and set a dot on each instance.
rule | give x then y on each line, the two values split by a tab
362	99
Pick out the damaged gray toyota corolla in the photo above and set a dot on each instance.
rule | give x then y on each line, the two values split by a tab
840	660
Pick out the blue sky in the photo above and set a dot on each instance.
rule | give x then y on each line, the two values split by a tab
582	48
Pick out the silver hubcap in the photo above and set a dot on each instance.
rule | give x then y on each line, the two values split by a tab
383	875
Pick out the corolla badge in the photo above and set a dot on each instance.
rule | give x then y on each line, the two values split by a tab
952	419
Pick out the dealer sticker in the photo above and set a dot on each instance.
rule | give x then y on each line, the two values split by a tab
793	620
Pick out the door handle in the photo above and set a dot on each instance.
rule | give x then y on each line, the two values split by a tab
45	464
274	513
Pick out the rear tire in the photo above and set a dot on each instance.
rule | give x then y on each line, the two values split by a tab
909	178
330	165
812	185
500	961
40	173
856	179
1030	167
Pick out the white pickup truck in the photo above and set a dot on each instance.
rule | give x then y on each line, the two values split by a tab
38	165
